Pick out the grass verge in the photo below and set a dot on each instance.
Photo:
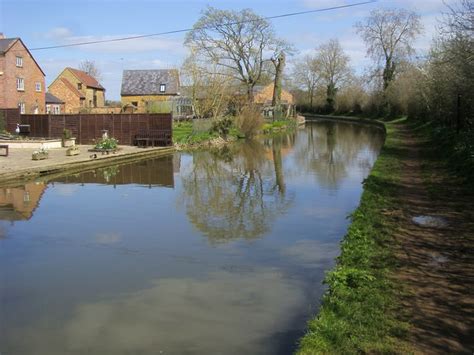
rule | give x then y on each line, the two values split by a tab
359	310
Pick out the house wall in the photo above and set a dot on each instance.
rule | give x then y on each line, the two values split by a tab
72	102
89	94
50	108
143	99
10	97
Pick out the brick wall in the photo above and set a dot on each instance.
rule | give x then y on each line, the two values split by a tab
143	99
10	97
72	101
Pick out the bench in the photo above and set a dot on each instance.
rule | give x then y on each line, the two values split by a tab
4	147
154	138
24	129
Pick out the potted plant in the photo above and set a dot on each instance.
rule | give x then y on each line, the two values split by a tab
40	154
105	145
67	139
73	150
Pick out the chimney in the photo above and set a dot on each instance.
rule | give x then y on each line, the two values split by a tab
2	36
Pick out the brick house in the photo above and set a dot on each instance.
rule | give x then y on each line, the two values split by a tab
143	88
54	105
78	90
22	81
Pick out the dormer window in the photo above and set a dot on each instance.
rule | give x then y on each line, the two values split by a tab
162	87
79	86
19	61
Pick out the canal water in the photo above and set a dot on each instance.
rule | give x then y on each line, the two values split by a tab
214	252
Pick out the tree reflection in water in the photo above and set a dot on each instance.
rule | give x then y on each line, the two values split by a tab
331	149
235	192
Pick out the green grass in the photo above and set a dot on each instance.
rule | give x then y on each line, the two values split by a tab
359	310
278	125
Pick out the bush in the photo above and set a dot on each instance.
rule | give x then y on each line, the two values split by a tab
249	121
221	126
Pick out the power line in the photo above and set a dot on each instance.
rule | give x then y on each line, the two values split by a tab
204	27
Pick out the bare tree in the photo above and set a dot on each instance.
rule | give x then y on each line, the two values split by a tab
307	74
237	40
91	68
209	87
334	67
389	35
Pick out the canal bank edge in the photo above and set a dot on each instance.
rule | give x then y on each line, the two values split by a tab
360	311
49	171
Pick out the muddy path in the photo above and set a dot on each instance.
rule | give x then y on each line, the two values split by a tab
435	255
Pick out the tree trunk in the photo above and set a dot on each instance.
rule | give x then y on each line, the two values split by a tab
279	64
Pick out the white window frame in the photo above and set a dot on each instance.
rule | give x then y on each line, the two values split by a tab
162	87
19	61
20	84
56	109
22	107
38	86
48	108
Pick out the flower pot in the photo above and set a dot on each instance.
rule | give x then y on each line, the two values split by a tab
69	142
74	150
39	155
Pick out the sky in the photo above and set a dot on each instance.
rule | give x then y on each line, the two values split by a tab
41	23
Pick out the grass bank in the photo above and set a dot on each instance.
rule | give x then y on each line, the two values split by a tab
359	310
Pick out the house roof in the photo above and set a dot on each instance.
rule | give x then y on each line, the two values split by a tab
7	43
51	99
147	82
86	79
71	87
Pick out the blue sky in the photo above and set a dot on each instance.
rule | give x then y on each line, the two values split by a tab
49	22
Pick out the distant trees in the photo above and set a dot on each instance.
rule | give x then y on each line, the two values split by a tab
329	66
91	68
334	69
240	41
389	35
306	75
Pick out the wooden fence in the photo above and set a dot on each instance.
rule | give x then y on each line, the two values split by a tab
89	127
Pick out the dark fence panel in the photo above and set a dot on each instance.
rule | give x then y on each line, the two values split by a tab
89	127
11	117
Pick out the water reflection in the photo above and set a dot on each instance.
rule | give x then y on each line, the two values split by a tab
155	172
19	203
144	268
177	316
235	192
331	149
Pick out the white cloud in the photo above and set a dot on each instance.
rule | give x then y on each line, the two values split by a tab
226	310
58	33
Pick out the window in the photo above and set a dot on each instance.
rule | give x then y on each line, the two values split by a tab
38	86
20	84
21	105
56	109
79	86
19	61
135	103
48	108
162	87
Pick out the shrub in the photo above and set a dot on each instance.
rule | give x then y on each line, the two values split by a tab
249	121
221	126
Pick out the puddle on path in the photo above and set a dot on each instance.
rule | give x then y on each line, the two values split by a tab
430	221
